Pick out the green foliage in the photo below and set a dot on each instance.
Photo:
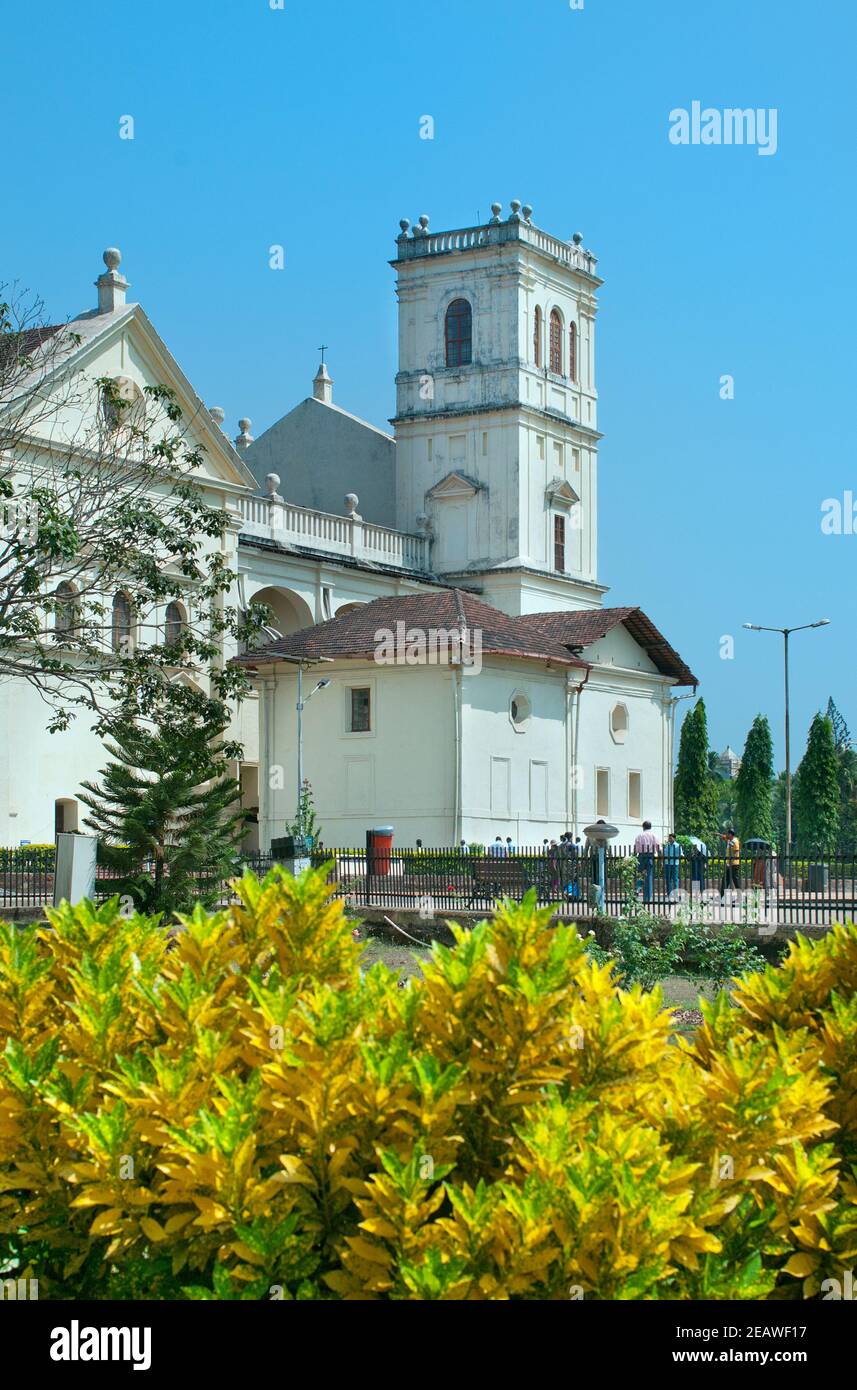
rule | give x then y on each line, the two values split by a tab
695	792
166	812
305	825
816	792
235	1112
754	783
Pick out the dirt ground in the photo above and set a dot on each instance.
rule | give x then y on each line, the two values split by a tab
679	992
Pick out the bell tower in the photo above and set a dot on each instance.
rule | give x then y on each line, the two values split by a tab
496	408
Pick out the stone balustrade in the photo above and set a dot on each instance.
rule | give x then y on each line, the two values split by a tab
277	520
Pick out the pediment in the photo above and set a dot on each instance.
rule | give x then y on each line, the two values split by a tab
455	485
560	493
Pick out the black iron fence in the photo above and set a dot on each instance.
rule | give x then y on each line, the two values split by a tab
752	888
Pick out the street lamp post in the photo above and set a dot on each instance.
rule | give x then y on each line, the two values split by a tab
322	685
786	633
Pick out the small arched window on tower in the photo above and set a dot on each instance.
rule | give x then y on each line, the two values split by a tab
556	342
572	352
537	336
175	623
459	334
122	634
65	611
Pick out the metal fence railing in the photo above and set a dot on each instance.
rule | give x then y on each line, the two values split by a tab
787	890
793	890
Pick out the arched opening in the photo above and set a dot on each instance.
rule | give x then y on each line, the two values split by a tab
66	815
556	342
350	607
122	628
65	611
289	612
175	624
459	334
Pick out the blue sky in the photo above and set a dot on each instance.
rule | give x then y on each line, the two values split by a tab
300	126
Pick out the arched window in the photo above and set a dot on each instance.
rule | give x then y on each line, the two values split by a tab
572	352
122	637
175	622
65	612
537	336
556	342
459	334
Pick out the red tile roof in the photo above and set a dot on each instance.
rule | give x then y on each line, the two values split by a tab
354	633
583	628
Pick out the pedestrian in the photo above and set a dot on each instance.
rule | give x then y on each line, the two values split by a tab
698	864
510	848
673	854
555	869
646	847
498	849
462	847
732	862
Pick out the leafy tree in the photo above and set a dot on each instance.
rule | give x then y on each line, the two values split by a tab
695	792
754	783
778	811
816	791
166	811
111	504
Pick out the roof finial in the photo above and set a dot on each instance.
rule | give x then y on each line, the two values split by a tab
245	438
111	285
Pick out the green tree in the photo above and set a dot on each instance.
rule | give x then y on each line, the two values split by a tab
754	783
778	811
816	791
165	810
305	826
120	509
695	790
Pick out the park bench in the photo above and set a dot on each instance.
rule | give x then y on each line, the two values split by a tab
499	878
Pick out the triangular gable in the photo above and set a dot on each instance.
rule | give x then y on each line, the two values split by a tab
560	493
455	485
126	343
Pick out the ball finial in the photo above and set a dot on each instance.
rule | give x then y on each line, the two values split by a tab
405	224
577	238
112	258
527	211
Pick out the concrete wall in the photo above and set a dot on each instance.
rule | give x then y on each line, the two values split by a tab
401	773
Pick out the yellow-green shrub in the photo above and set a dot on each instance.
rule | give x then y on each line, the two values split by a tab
231	1109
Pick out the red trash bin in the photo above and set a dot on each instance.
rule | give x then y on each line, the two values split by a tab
379	846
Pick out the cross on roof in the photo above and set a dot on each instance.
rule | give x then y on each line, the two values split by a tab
323	350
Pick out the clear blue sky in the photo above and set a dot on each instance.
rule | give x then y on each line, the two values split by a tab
300	126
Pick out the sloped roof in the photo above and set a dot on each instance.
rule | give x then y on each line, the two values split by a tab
582	628
353	634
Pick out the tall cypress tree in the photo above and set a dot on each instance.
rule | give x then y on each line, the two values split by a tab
695	791
755	782
165	811
816	791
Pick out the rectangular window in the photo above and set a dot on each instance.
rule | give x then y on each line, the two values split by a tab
540	445
575	460
635	795
361	710
602	792
430	449
558	457
559	544
484	443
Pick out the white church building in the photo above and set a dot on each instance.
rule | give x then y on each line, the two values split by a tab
442	579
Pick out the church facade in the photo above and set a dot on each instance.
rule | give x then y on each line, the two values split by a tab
442	579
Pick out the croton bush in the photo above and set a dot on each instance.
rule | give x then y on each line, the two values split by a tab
229	1108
